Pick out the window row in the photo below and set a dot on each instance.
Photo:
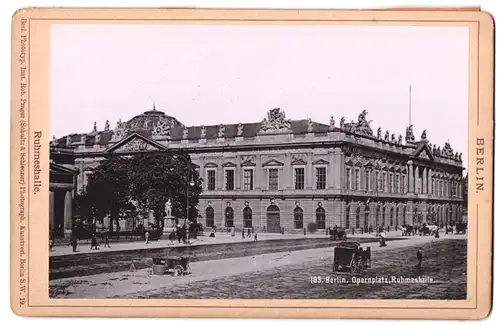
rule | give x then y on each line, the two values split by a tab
374	181
273	178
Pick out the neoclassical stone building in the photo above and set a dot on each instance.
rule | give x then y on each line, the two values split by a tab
280	174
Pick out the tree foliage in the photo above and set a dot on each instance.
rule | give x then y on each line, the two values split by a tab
146	179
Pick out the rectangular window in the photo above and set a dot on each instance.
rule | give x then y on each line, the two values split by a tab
211	179
299	178
377	181
248	179
397	183
273	179
229	179
384	182
321	178
356	179
367	180
391	182
403	182
347	178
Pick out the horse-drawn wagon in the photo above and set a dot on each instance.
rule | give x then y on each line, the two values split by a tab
350	257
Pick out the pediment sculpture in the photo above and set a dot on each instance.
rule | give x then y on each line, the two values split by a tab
83	139
447	150
203	132
275	122
68	141
97	139
185	133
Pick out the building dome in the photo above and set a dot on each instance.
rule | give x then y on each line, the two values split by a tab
150	119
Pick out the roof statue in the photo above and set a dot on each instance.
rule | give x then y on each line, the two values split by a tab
95	126
310	125
362	127
221	131
460	157
456	156
438	151
379	133
239	131
203	132
386	136
121	130
393	138
332	123
434	149
410	137
447	150
68	140
106	125
54	141
342	123
424	135
275	122
185	133
400	139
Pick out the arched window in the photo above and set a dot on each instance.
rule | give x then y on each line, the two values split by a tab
298	218
397	216
209	215
229	214
320	217
358	211
404	214
247	217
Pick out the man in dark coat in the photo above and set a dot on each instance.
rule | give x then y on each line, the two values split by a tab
419	258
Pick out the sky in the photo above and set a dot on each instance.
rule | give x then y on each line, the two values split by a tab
205	75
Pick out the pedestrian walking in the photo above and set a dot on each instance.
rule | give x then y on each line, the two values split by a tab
106	242
74	243
243	234
146	235
419	258
255	237
93	243
51	243
249	233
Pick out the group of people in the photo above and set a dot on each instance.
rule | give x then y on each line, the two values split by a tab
249	234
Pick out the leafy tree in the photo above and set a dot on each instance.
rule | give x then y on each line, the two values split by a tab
157	177
108	191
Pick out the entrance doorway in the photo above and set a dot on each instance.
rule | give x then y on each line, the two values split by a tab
273	219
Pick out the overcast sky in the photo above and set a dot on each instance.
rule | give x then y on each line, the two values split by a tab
206	75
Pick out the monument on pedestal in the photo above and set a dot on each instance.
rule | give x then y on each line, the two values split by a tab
169	220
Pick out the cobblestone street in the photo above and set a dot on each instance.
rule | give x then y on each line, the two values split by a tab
288	275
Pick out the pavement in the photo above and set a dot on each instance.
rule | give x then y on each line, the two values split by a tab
130	284
62	250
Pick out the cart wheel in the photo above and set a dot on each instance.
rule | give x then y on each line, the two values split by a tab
179	270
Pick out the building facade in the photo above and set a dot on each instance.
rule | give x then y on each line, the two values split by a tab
279	175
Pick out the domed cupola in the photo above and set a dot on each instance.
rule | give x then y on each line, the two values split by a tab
149	120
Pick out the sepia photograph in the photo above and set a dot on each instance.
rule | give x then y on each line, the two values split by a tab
258	162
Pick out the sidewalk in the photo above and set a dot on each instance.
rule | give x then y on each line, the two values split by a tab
202	240
164	243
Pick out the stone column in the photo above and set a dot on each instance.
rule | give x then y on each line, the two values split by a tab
309	172
260	182
51	209
330	173
424	181
338	169
286	180
416	180
411	183
429	182
68	211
